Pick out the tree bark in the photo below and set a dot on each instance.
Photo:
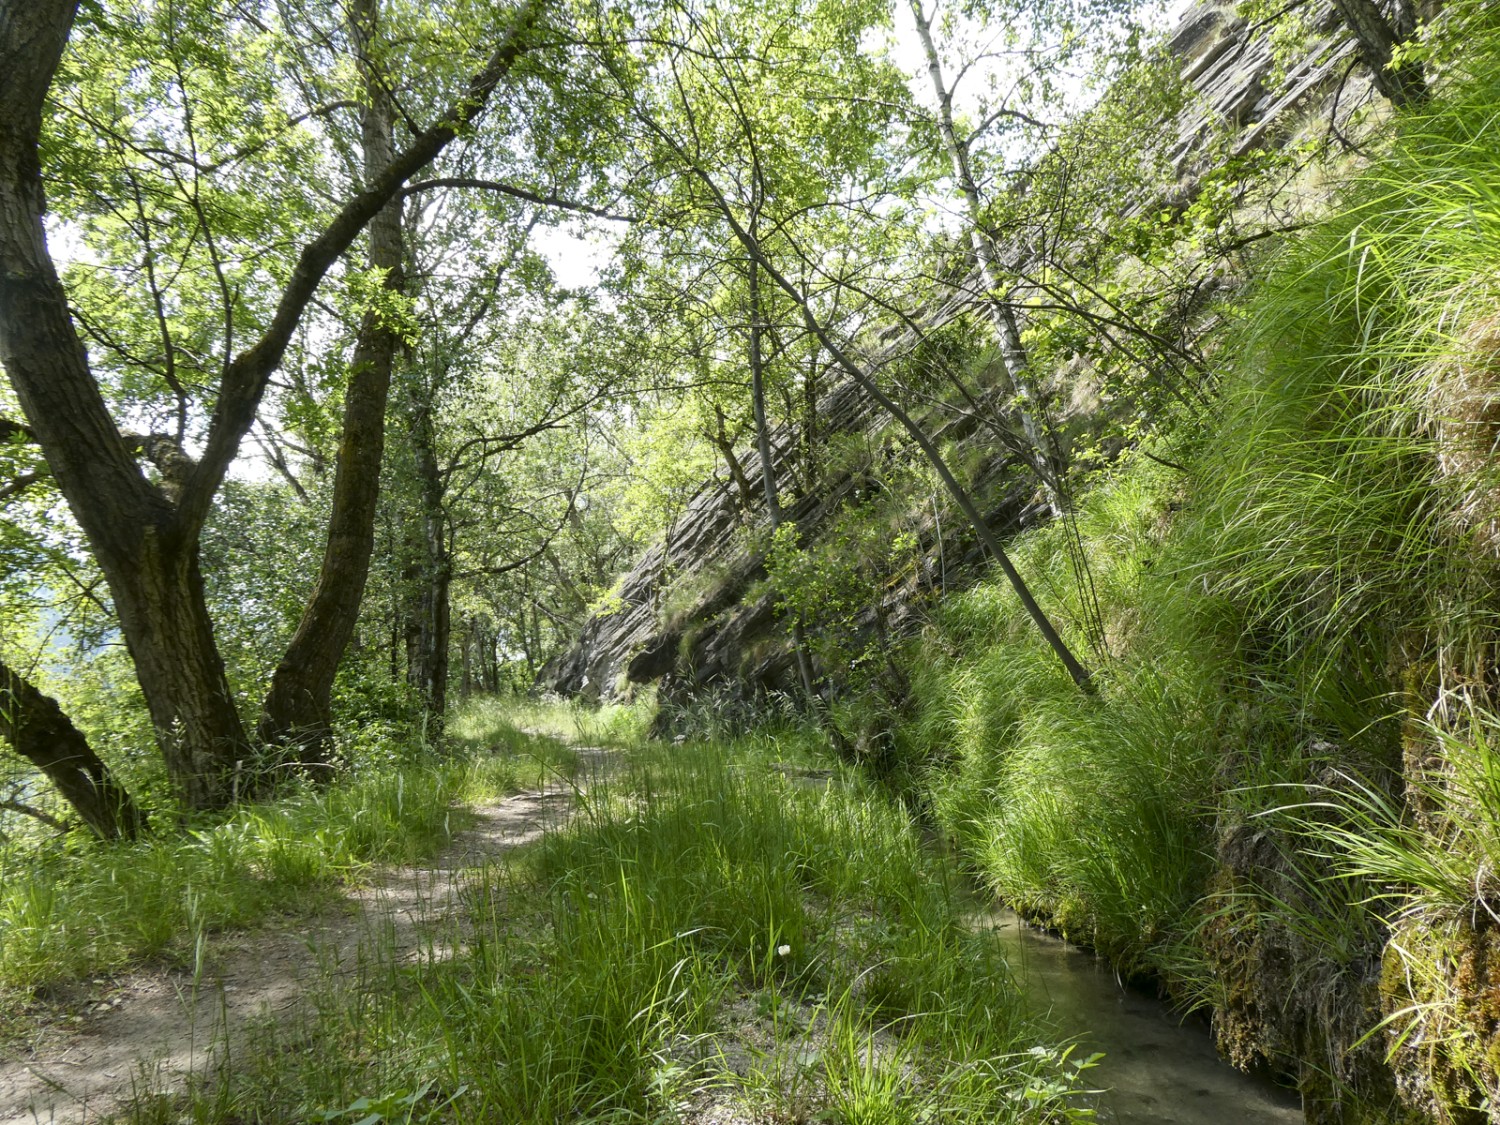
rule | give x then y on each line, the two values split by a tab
298	710
467	646
430	626
41	733
768	470
1377	37
149	558
145	540
721	440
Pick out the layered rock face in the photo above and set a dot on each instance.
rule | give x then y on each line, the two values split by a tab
739	648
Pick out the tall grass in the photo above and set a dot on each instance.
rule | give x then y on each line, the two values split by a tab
71	908
712	928
1312	600
577	721
1095	815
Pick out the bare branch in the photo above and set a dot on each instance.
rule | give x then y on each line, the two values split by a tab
11	804
515	192
20	484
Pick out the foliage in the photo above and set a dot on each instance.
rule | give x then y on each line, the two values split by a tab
1296	622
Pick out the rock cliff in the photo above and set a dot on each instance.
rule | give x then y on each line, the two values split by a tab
736	645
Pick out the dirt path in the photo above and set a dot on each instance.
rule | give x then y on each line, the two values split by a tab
151	1030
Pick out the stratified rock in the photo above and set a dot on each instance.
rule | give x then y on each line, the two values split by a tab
740	649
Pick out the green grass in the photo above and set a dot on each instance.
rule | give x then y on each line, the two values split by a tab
1314	598
715	923
1093	814
73	908
577	721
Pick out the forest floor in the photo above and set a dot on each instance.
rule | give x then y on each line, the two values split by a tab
102	1043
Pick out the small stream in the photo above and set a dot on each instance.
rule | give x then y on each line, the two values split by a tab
1157	1068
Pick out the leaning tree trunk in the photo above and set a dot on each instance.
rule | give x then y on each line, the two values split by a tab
41	733
146	547
1377	35
1046	455
298	711
986	535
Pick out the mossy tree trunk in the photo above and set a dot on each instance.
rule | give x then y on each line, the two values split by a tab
298	710
41	733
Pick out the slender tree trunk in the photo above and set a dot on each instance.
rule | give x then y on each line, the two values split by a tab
768	470
430	627
1046	455
809	437
41	733
753	248
466	658
721	440
298	711
1377	36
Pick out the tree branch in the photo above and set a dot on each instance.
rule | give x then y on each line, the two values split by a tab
515	192
246	377
11	804
20	484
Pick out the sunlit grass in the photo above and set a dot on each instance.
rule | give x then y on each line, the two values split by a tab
72	908
713	927
577	721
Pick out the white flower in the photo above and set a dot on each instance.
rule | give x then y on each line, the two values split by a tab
783	950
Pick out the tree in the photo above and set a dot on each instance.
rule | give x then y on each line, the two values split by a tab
1044	453
145	532
717	104
1379	31
36	727
298	707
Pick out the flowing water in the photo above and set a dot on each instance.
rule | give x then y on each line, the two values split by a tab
1157	1068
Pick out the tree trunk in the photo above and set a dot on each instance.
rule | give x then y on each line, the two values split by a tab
1377	37
753	248
1045	454
298	711
35	725
145	537
147	551
724	443
430	626
768	471
466	658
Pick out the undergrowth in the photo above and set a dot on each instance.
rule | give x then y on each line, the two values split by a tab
716	927
74	907
1289	753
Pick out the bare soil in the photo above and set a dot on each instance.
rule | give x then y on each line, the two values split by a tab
100	1043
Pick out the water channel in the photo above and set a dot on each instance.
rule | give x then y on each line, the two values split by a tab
1158	1069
